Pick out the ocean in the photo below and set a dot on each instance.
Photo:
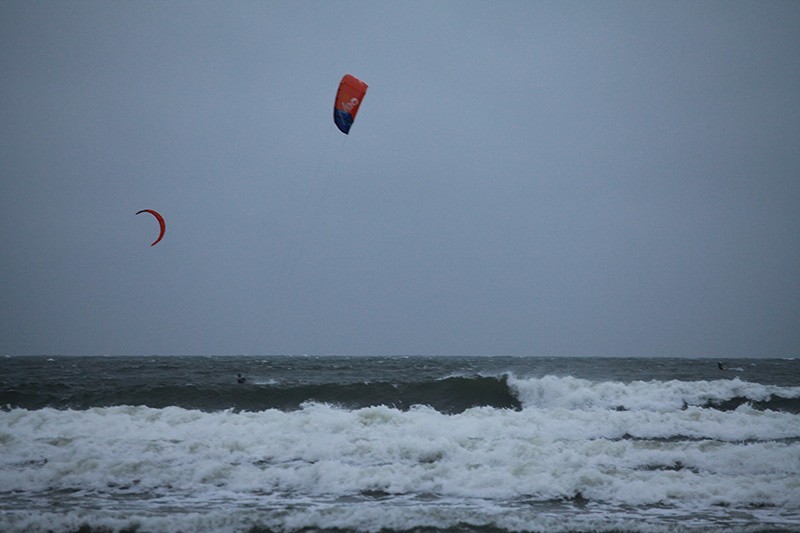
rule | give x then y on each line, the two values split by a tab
398	444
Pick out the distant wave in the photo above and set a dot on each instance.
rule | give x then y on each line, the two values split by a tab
450	395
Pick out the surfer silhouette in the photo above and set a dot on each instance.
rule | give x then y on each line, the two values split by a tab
720	365
240	378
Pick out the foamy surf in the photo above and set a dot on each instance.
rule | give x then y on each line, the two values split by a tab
575	454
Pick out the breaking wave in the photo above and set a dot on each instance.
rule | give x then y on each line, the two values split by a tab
449	395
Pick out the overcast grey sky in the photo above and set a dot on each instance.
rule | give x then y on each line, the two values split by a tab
532	178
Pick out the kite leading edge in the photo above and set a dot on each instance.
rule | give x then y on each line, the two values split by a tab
161	223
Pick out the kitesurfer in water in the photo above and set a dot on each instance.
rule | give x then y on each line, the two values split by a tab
240	378
720	365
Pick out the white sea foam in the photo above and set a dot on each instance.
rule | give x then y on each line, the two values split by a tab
481	453
394	514
575	393
312	467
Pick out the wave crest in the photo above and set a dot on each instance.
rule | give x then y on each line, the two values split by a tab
660	396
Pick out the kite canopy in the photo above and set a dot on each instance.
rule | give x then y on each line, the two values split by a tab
348	98
161	223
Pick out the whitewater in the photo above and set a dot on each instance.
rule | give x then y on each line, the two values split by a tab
398	444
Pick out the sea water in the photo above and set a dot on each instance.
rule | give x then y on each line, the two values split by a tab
398	443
